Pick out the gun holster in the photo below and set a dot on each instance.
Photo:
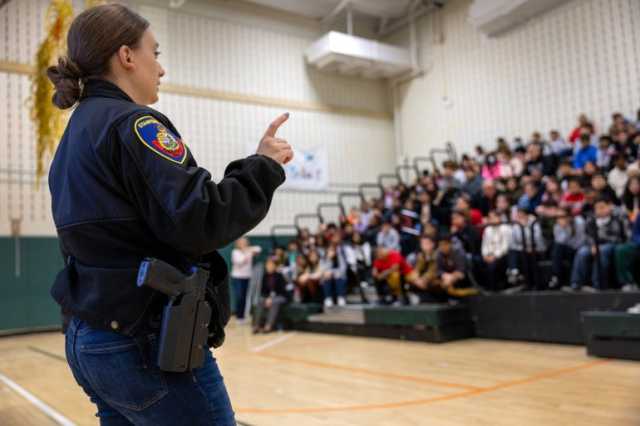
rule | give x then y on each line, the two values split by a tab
185	319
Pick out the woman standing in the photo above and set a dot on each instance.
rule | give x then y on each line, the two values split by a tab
124	187
242	265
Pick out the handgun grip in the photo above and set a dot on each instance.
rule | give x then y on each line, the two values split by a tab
160	276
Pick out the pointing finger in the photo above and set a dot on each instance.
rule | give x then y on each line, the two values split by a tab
273	127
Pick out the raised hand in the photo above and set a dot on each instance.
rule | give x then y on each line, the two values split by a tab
273	147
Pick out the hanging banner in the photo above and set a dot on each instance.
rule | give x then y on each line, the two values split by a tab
309	169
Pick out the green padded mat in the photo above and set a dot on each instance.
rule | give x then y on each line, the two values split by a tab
299	312
611	324
430	315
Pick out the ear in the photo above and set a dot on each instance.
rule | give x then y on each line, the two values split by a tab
125	57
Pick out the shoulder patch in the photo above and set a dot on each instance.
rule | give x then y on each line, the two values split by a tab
155	136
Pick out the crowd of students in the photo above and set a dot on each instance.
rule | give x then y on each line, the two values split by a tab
543	214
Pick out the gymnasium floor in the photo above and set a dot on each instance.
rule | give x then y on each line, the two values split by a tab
311	379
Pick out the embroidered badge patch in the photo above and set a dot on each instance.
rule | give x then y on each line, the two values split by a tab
159	139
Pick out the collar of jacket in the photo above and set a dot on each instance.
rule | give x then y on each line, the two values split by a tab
95	87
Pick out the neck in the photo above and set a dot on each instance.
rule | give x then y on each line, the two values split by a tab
126	86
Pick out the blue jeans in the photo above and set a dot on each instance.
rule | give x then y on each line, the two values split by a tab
561	256
334	287
585	267
123	380
240	287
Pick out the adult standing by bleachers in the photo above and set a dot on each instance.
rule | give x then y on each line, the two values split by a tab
241	266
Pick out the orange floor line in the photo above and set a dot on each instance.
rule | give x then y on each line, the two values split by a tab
368	372
457	395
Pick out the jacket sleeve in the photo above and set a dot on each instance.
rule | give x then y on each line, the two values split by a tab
179	202
541	243
504	236
487	240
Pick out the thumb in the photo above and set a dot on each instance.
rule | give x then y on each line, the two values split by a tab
275	125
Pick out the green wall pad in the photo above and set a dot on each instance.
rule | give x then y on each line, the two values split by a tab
25	301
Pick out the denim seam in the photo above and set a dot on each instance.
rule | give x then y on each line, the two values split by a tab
204	394
116	405
147	404
102	348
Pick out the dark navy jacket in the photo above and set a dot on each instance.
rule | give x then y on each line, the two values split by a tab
124	187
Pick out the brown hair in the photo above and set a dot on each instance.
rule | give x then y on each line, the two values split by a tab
94	37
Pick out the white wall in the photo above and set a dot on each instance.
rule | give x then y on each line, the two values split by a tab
215	49
583	56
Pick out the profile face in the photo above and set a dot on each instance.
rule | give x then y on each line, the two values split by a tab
148	70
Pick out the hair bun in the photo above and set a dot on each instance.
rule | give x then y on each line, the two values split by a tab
68	68
66	78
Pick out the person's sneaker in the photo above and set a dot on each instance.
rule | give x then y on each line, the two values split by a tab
342	301
634	309
414	299
512	276
328	302
589	289
570	288
627	288
554	283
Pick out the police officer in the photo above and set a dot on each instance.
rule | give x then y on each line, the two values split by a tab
125	186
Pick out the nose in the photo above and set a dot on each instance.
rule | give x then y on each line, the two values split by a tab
162	72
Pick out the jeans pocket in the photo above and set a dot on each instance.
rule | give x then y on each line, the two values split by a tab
119	375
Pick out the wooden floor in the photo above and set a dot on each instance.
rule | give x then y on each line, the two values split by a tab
310	379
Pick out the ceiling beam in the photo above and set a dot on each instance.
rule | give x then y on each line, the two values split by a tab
419	9
243	7
328	20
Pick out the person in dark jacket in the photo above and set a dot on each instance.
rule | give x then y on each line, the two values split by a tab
463	233
125	187
593	263
273	295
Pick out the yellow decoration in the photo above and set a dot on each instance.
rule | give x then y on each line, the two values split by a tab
92	3
49	120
